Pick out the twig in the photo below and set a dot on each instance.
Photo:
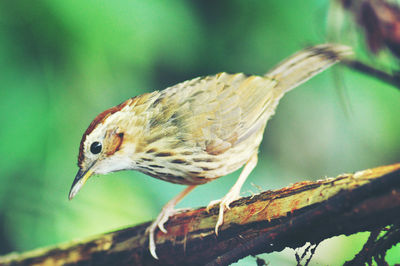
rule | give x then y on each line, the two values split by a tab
363	257
376	247
393	79
312	252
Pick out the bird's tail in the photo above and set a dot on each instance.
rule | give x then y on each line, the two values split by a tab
306	63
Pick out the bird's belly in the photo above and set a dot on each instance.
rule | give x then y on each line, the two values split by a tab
201	167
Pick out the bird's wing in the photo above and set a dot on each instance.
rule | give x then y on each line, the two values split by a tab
217	112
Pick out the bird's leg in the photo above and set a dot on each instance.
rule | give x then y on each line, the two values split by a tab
234	192
167	211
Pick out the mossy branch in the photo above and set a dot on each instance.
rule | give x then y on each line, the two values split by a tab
267	222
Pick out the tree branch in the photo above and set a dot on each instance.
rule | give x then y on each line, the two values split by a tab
377	246
270	221
392	79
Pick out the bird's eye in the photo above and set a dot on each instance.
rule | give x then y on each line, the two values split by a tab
95	148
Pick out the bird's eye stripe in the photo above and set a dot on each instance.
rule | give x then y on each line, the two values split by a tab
95	148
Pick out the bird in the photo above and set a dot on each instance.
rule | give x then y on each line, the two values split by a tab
196	131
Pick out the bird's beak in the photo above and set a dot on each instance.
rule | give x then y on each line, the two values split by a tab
79	181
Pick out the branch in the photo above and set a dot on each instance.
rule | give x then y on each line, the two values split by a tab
270	221
377	246
392	79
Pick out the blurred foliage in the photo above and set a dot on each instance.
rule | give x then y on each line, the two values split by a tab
63	62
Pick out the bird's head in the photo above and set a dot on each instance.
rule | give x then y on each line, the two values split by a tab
102	147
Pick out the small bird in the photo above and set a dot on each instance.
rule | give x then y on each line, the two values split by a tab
195	131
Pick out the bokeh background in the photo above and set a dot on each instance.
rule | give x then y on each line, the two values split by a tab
63	62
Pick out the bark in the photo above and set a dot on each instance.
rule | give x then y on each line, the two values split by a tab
270	221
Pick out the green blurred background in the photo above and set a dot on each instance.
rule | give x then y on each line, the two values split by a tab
63	62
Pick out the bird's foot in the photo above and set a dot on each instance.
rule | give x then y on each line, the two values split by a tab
167	211
162	218
224	203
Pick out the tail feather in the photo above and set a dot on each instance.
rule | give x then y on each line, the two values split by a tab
305	64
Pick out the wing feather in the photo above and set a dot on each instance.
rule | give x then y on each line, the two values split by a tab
217	111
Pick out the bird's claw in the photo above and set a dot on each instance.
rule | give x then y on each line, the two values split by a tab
152	244
159	222
212	203
223	206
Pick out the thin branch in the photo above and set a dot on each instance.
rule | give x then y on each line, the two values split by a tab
392	79
376	247
270	221
312	252
363	257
